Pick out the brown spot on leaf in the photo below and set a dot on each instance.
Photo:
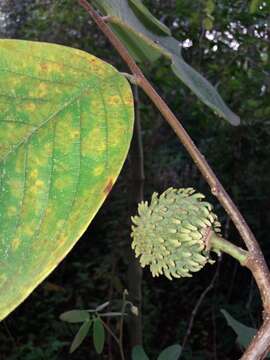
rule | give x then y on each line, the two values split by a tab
108	187
44	67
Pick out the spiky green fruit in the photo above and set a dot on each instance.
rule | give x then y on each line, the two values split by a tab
170	234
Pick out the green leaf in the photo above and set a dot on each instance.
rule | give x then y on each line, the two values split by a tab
210	7
254	5
148	19
202	88
138	353
145	45
112	314
244	333
102	306
75	316
98	335
140	50
66	121
208	23
172	352
80	336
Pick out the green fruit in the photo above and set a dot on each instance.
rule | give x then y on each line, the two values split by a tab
170	234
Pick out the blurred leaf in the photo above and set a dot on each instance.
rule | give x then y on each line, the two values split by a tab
148	19
75	316
209	7
98	335
145	45
208	23
254	5
103	306
80	336
172	352
108	314
138	353
244	333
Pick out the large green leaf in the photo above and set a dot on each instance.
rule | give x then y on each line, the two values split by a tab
146	40
66	121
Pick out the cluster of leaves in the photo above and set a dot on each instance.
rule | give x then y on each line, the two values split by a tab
88	318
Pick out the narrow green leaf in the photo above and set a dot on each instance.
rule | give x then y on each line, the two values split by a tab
75	316
112	314
172	352
140	50
208	23
145	45
203	89
244	333
138	353
98	335
148	19
254	5
66	121
80	336
210	7
102	306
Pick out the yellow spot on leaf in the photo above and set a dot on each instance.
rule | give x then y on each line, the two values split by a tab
60	183
28	231
62	239
48	149
3	279
34	174
15	187
51	67
11	211
30	107
98	170
60	224
114	100
40	90
15	244
128	100
39	184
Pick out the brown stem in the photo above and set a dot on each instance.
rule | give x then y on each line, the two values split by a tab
259	270
259	346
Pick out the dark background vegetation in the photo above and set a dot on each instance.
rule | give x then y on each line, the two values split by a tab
233	55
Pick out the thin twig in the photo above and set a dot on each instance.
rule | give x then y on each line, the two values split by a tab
115	338
4	323
198	304
110	296
121	332
214	332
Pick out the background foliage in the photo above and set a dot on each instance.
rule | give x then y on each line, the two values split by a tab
228	41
